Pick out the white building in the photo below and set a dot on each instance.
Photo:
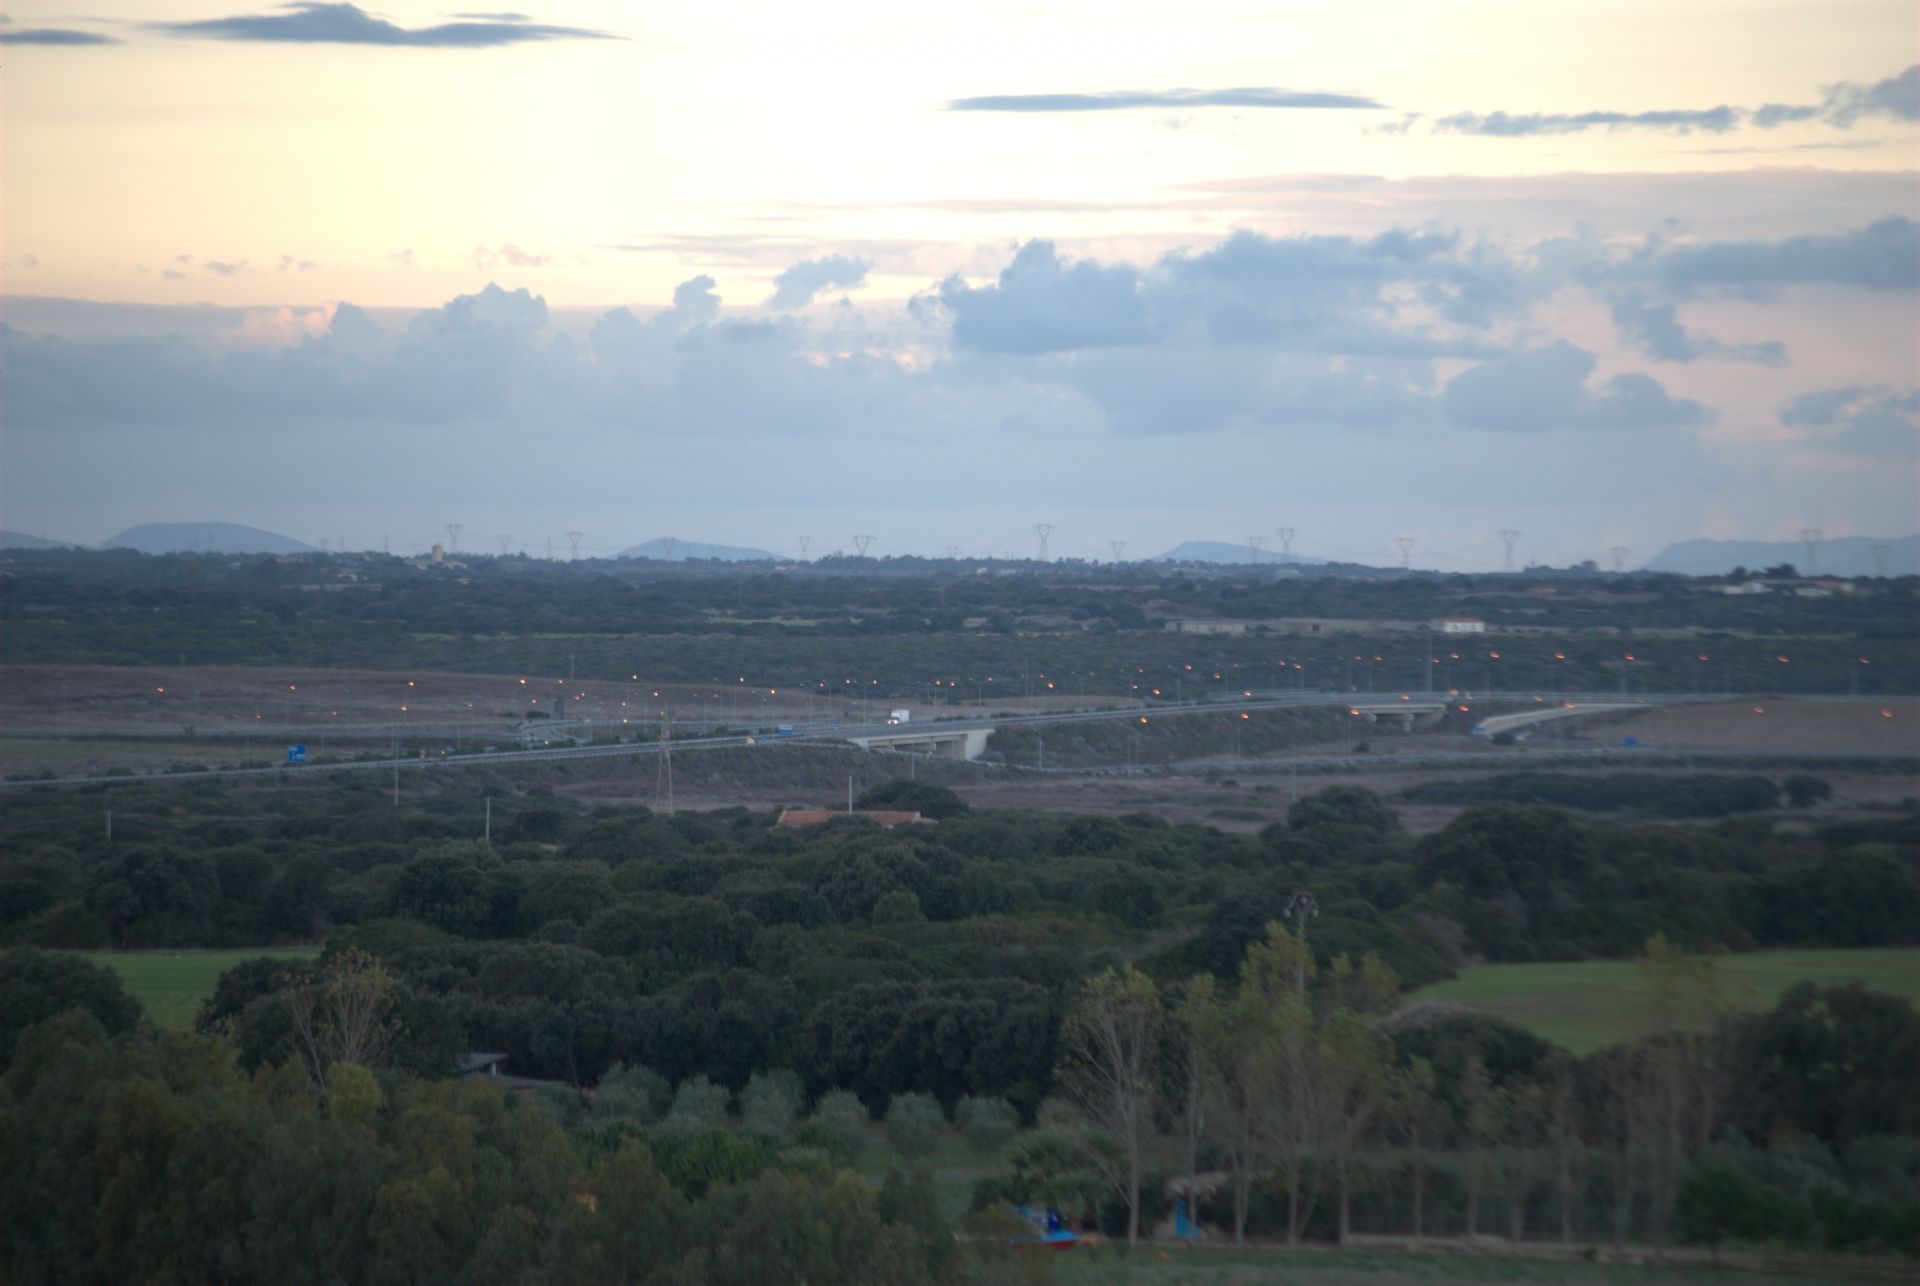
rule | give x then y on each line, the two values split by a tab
1460	625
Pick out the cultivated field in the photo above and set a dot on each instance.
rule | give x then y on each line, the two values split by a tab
1588	1005
171	984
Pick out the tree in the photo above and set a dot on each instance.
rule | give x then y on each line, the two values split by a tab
343	1015
35	985
913	1125
1716	1200
698	1104
1804	790
1108	1045
842	1112
1354	806
769	1103
987	1124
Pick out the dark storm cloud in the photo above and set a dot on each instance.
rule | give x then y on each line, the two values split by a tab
796	287
1125	99
1843	105
309	22
1655	329
52	36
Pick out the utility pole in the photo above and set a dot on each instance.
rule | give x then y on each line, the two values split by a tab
453	537
663	774
1255	542
1509	537
1119	548
862	544
1286	535
1619	553
806	543
1043	530
574	538
1811	537
1406	551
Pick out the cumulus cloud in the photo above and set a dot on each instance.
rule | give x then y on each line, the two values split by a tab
1843	105
311	22
1547	388
1884	255
1127	99
1859	419
796	287
53	36
1655	329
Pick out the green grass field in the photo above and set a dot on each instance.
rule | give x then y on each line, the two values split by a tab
1587	1006
171	984
1175	1266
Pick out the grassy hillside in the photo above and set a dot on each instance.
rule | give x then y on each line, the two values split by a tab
1587	1006
171	984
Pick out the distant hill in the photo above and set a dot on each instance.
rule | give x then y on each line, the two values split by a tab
1216	551
672	550
204	538
20	540
1842	556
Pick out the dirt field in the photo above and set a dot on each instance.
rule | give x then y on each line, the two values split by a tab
1861	727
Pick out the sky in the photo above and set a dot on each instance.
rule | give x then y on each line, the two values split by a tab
1608	274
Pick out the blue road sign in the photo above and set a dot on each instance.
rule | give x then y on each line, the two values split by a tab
1629	741
296	754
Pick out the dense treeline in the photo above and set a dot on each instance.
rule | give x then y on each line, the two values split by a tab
1652	794
1294	1105
907	624
155	1159
928	959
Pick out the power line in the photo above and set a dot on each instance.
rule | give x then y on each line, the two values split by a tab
453	537
1619	553
1043	530
1406	551
806	543
574	538
1811	537
863	544
1119	548
1286	535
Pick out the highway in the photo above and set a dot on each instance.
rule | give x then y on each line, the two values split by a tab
827	733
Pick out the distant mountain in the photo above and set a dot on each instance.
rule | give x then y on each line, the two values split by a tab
672	550
20	540
1841	556
204	538
1215	551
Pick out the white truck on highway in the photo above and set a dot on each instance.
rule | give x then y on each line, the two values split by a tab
899	716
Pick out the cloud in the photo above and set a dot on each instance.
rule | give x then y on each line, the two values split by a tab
796	287
1125	99
53	36
1884	255
510	255
1843	105
1043	303
1896	98
1655	329
1860	419
1546	389
1711	120
1316	294
222	268
313	22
